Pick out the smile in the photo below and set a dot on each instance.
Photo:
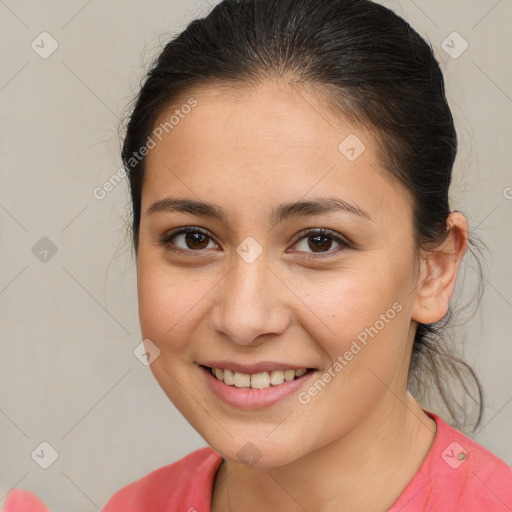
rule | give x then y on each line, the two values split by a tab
260	380
255	390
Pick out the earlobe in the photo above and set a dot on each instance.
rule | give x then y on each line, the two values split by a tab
438	272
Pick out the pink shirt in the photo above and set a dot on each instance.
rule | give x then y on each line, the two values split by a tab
458	474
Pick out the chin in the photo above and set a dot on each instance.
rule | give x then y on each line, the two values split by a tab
259	453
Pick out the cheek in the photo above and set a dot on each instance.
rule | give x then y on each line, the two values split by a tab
169	302
348	303
361	318
363	341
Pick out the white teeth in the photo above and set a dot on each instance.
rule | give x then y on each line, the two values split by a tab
289	375
242	380
260	380
229	377
276	377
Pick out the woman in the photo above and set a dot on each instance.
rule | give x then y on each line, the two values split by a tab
289	163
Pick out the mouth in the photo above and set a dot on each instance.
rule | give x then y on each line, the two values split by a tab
255	390
260	380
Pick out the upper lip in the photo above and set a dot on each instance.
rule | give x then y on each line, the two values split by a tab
258	367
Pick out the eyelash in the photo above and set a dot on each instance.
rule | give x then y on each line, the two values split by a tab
344	244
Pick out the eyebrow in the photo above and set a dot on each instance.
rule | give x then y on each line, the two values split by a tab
279	213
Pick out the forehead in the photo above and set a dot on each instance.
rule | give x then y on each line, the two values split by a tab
273	140
281	111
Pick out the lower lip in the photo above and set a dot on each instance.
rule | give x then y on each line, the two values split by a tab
249	398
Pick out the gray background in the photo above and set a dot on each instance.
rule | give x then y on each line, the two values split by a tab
69	324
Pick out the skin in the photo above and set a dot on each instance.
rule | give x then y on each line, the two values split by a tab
359	442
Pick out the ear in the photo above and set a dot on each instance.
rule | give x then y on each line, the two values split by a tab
438	272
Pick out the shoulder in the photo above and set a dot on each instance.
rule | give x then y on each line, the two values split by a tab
460	474
459	452
474	477
184	485
19	500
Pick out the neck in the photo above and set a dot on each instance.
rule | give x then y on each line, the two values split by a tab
366	468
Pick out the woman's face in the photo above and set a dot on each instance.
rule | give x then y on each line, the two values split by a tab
253	288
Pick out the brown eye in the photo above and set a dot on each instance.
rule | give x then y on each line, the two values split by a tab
320	241
187	239
195	240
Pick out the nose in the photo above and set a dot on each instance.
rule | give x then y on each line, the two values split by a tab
250	303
